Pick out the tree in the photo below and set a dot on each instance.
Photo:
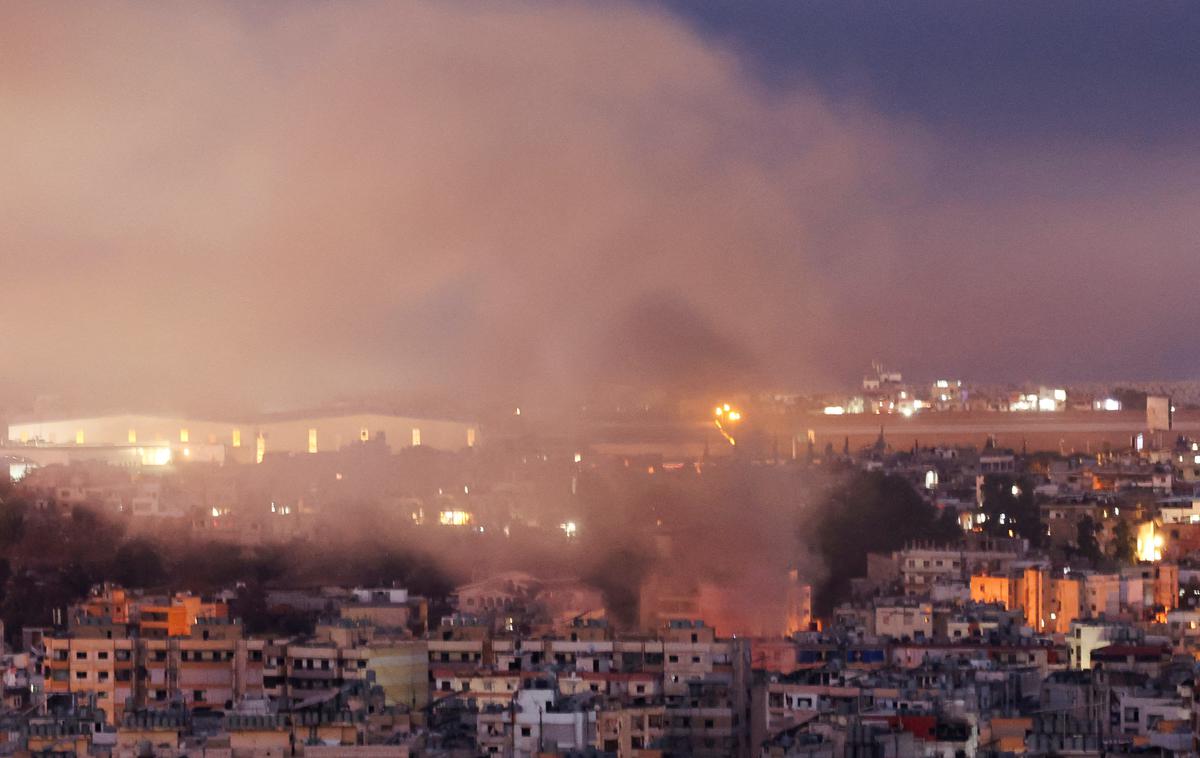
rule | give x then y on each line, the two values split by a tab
1085	539
250	606
871	512
1010	505
1124	543
137	563
12	523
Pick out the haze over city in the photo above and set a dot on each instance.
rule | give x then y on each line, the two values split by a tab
278	204
785	379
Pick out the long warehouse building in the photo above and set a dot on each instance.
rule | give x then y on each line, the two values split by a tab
149	439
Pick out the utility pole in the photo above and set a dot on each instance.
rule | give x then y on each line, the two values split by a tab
541	744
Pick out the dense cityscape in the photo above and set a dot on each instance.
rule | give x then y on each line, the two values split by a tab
382	584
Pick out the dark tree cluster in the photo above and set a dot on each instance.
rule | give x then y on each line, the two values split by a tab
49	559
1010	506
871	512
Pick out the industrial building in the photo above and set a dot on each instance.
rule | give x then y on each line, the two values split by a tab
149	440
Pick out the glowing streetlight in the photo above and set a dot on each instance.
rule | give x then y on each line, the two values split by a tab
729	416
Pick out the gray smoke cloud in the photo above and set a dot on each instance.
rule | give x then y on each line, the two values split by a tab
226	204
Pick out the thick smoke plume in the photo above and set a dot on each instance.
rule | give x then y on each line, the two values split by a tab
265	205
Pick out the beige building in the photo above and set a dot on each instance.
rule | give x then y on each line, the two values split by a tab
97	667
158	440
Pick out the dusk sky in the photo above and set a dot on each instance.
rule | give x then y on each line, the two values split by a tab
273	204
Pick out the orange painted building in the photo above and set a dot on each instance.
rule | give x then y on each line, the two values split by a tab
155	618
176	617
107	602
1048	604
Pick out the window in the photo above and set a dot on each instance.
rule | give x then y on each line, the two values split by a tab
81	675
198	696
102	676
102	655
526	731
80	655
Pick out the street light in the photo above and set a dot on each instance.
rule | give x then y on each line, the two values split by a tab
729	416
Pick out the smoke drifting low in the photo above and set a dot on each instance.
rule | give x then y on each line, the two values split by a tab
661	341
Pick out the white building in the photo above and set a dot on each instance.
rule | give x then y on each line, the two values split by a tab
899	621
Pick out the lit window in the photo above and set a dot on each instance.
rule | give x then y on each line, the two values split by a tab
454	518
79	437
184	436
132	436
364	435
416	437
237	437
312	440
